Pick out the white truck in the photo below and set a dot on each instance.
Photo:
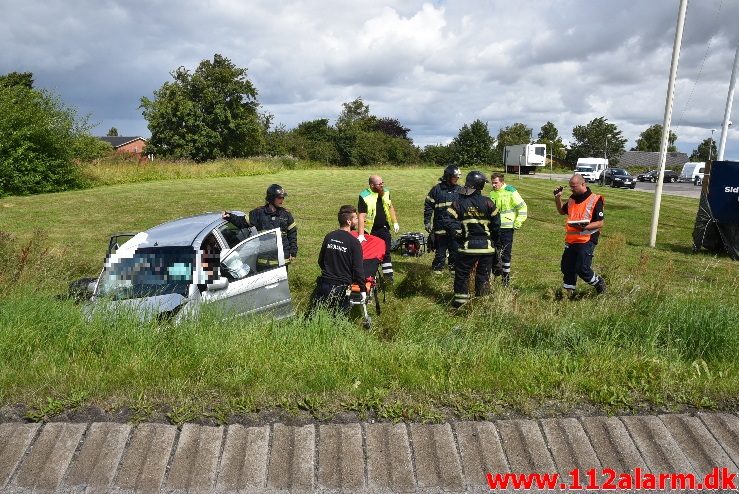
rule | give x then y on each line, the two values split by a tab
591	169
524	158
693	172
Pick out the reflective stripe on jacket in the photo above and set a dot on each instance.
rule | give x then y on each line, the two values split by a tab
370	199
511	206
580	212
476	218
440	197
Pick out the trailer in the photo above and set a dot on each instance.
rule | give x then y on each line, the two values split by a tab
524	158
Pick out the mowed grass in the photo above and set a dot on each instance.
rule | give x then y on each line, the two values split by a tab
666	335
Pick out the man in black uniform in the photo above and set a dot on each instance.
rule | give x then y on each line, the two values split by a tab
340	260
441	196
271	215
476	222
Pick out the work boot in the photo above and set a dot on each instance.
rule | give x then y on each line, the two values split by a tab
437	269
506	279
600	287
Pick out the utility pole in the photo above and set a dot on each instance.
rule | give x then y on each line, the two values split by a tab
667	120
729	100
710	147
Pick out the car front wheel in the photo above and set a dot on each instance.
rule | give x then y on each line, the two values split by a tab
673	180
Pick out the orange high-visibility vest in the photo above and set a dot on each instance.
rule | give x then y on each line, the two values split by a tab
578	212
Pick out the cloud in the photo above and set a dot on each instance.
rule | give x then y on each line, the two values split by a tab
434	65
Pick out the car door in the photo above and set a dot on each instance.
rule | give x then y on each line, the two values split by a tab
257	277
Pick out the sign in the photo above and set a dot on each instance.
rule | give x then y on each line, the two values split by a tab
723	191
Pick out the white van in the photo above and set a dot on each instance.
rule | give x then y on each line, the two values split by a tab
693	172
591	169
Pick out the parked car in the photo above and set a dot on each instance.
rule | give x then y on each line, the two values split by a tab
617	177
652	175
172	269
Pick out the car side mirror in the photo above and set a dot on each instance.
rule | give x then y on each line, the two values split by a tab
219	284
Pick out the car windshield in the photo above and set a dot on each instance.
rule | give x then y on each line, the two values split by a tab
618	171
146	272
584	168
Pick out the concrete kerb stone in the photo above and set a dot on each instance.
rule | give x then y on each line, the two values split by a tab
292	458
481	452
571	448
146	457
725	429
612	444
389	464
97	462
244	459
437	462
14	442
659	449
524	446
697	443
195	459
50	456
341	464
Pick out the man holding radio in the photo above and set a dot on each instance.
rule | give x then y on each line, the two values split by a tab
584	211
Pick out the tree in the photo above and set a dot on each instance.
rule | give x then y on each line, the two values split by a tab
113	132
651	140
41	141
549	135
597	139
354	114
206	114
439	154
391	127
706	151
473	145
517	133
11	79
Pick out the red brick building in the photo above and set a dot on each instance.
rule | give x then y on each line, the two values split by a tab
133	145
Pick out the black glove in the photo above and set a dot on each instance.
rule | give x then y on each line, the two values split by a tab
558	191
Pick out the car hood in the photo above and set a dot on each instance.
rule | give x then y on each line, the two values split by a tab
146	308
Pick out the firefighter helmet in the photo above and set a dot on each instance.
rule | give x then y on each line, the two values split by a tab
451	171
476	180
274	191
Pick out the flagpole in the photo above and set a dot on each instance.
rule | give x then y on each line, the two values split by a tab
667	120
727	112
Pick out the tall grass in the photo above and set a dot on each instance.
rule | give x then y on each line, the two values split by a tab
665	335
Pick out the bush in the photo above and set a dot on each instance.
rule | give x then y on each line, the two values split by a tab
40	138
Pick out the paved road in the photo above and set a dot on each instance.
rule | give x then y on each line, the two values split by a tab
354	457
676	189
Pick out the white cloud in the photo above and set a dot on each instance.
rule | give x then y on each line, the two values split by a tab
434	65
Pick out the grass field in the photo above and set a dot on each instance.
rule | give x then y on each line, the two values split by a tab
665	336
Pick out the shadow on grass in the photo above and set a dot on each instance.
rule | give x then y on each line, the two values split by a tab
417	282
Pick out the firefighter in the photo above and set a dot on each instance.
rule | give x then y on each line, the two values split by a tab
513	213
475	220
440	197
271	215
376	212
584	210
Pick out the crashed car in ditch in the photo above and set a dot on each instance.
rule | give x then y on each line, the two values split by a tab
173	269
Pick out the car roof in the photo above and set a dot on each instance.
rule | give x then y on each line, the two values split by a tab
182	231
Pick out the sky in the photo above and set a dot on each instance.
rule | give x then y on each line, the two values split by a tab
433	65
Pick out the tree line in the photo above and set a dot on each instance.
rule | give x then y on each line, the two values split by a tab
213	112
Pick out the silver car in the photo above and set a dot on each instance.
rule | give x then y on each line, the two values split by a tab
171	270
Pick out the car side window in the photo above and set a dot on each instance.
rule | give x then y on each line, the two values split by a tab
232	234
256	255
